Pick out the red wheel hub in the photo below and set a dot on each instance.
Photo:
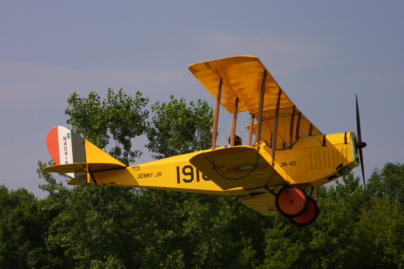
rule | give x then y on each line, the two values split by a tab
291	201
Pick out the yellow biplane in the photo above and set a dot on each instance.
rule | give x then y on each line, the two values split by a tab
278	172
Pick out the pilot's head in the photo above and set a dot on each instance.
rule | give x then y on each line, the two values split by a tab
237	140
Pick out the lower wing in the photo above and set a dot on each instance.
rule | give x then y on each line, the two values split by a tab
240	166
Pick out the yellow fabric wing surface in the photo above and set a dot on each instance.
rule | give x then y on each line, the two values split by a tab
242	78
240	166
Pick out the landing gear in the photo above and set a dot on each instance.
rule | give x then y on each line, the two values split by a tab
308	216
291	201
294	203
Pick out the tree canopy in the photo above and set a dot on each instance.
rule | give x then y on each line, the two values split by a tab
95	226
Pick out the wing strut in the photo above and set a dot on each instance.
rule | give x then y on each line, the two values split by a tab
216	118
251	129
233	126
292	123
260	109
274	133
298	126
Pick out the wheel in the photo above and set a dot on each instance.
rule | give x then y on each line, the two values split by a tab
291	201
308	216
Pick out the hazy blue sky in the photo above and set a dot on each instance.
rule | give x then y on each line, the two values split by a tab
320	52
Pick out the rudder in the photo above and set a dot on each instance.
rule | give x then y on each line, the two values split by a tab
65	147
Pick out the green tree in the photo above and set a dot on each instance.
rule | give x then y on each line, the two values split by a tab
23	226
119	115
177	127
378	236
389	181
355	229
9	200
93	226
195	230
97	226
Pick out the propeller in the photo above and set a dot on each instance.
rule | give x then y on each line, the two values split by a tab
360	144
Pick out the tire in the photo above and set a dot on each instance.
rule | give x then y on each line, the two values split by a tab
291	201
308	216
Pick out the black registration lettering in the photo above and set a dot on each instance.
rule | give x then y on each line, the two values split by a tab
178	175
188	173
188	170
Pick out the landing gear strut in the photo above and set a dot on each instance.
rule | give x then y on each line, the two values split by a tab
294	203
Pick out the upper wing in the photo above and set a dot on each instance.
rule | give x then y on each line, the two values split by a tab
242	78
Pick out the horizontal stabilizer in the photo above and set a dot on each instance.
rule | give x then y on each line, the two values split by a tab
83	167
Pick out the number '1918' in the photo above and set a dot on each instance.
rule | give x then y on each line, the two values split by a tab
188	174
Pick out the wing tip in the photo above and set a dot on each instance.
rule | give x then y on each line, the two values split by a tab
250	57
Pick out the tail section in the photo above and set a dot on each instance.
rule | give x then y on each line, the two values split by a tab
65	147
77	157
